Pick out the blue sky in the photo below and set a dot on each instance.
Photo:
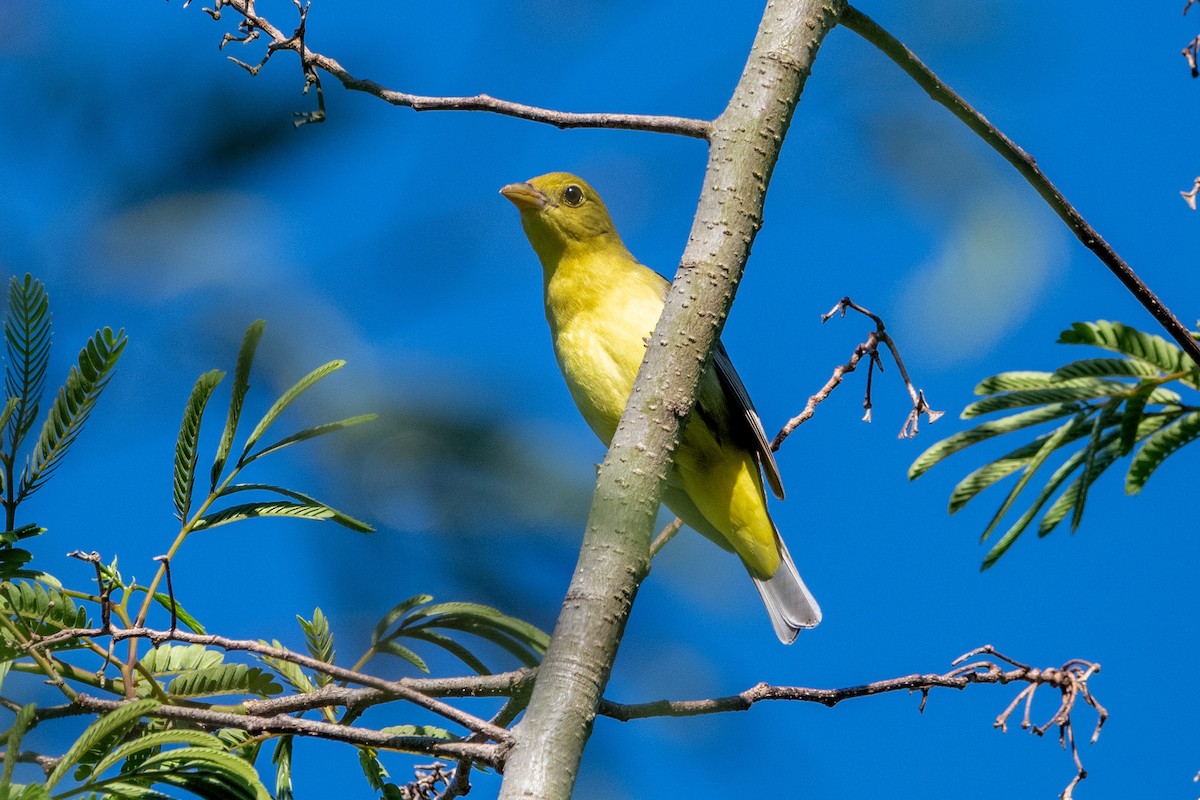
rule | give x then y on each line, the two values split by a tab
154	186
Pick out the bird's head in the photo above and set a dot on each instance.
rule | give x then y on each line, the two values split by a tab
560	211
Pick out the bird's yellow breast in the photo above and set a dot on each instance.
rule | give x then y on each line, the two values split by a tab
601	314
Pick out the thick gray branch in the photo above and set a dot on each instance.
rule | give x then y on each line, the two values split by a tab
745	143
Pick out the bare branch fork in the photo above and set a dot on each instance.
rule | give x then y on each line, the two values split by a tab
870	350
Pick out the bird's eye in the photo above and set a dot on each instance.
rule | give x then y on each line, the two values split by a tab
572	195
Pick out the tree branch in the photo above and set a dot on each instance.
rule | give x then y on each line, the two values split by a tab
744	145
1071	680
489	754
867	28
403	689
253	23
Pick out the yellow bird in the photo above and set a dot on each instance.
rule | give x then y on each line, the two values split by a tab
602	306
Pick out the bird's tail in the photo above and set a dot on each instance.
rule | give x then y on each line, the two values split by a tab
787	599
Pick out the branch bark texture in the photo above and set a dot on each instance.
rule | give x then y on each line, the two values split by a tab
745	142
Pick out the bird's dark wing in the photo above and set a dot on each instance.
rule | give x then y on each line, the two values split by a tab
738	409
745	419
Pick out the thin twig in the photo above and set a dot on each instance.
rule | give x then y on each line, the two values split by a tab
402	689
667	534
489	754
166	562
870	349
867	28
1071	680
1189	196
252	23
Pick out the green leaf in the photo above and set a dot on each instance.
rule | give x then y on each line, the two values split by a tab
241	385
372	768
525	641
449	645
1107	368
1128	341
290	672
1093	464
1052	443
174	659
154	741
12	563
285	400
311	433
71	407
1158	447
1135	409
313	511
987	430
396	613
224	680
203	771
112	723
1020	381
27	339
394	648
1073	497
282	759
969	487
1010	536
186	444
317	636
1078	390
425	731
24	720
42	610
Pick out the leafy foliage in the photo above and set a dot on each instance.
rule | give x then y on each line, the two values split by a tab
416	619
149	743
1107	408
72	406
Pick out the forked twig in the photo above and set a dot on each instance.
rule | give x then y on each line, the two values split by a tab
870	350
1071	680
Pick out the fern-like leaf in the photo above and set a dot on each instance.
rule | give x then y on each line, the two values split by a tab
317	636
1107	368
939	451
202	771
27	340
24	718
42	610
1048	447
311	433
372	768
114	723
225	679
282	759
1076	391
1119	338
155	741
285	400
241	385
175	659
313	511
71	407
1158	447
186	452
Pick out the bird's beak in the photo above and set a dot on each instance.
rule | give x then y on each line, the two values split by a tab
525	197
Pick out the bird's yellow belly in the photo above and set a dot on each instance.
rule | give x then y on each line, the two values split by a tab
600	364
